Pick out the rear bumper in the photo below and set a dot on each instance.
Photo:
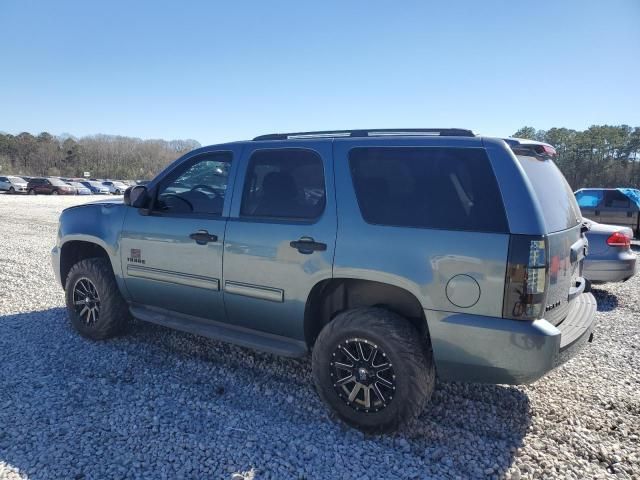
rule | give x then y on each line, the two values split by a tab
473	348
613	269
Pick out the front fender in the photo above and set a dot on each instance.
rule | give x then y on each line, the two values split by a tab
98	223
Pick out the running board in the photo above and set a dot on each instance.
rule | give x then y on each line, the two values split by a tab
242	336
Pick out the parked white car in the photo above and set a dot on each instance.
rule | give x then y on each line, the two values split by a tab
13	184
115	187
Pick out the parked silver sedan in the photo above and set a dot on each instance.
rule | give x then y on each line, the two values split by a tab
610	257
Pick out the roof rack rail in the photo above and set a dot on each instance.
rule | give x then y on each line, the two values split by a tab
374	132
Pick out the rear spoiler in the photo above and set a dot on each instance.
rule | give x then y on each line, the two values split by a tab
527	147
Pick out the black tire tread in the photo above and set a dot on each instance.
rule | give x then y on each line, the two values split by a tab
114	311
408	344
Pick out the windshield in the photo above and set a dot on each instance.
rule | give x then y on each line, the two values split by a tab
17	179
556	199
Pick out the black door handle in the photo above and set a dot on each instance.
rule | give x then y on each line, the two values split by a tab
202	237
308	245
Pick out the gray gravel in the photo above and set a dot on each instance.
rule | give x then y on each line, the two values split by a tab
163	404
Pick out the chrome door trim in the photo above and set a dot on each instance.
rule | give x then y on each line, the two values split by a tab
179	278
254	291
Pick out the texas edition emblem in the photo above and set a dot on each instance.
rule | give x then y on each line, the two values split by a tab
135	256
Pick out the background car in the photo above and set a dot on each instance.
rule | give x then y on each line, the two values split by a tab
612	206
13	184
115	187
610	257
80	188
96	187
49	186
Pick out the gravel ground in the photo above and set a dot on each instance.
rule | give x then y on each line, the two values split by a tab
163	404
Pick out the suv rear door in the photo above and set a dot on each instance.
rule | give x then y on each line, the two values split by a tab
280	235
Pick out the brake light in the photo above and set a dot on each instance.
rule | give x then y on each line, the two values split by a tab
545	150
619	239
526	279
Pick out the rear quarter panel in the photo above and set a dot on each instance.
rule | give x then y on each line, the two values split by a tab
421	261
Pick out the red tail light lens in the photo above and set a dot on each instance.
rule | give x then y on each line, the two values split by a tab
527	278
619	239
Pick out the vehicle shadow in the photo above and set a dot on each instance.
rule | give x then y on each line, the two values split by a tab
167	404
606	301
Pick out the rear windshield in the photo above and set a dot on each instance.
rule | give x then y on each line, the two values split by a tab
558	203
427	187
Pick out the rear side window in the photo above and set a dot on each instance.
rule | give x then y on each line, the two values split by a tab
284	184
616	199
443	188
556	199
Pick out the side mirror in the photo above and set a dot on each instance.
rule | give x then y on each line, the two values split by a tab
136	196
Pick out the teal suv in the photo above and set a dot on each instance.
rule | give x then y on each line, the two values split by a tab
390	256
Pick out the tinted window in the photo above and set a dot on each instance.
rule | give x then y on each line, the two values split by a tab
556	199
616	199
199	186
445	188
286	183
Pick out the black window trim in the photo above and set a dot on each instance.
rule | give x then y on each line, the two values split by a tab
282	220
187	163
386	147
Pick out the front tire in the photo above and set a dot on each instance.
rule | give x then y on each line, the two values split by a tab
12	190
55	192
374	369
31	192
94	304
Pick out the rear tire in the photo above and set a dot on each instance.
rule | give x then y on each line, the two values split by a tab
396	394
55	192
94	304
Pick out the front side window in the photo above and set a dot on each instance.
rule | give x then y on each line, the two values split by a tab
197	187
427	187
284	184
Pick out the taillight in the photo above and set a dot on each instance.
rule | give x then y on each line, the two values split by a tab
619	239
526	280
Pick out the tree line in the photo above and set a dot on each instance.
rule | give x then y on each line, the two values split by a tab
600	156
103	156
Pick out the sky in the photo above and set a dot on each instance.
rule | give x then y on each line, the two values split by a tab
223	71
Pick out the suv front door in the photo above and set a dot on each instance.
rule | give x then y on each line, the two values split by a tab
172	253
280	236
